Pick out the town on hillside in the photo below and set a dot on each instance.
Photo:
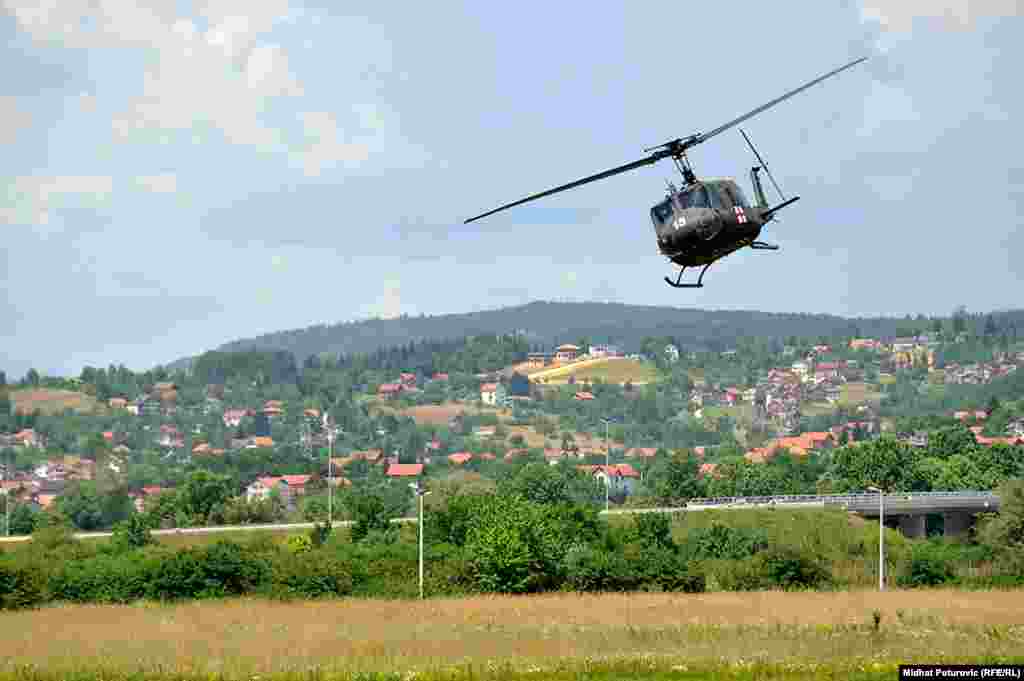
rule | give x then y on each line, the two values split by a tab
278	435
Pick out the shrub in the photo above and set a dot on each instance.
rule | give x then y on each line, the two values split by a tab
654	530
662	569
220	569
791	568
595	569
21	585
314	574
104	579
929	565
719	541
735	575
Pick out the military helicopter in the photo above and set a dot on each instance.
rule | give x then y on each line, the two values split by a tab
706	219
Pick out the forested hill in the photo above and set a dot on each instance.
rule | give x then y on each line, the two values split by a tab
546	323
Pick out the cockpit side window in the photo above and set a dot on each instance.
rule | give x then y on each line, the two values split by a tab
662	213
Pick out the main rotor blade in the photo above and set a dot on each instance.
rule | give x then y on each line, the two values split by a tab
737	121
653	158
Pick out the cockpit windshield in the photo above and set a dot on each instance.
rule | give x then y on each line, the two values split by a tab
694	198
734	194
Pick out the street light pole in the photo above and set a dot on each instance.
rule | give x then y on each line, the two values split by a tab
330	468
420	492
881	537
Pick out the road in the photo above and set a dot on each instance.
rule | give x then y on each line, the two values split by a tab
863	504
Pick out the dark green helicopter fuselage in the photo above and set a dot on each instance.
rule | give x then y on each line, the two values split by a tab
706	221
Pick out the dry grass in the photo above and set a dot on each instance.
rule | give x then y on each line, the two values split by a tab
438	415
251	636
50	402
611	370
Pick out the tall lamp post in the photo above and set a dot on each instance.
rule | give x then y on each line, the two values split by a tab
420	492
332	433
881	536
7	511
607	463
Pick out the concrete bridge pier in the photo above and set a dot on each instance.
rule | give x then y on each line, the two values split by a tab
955	523
912	526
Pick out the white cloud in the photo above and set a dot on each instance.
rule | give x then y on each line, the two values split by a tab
899	15
13	119
221	77
327	147
165	183
31	199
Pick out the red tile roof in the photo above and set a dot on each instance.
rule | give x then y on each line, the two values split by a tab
584	396
489	387
296	480
460	457
405	469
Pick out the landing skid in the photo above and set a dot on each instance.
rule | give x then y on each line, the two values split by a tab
677	283
762	246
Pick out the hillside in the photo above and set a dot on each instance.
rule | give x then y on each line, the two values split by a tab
546	323
49	401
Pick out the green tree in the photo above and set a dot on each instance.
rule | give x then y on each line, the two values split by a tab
675	479
1004	532
202	493
886	463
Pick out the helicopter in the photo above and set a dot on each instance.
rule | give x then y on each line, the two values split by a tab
706	219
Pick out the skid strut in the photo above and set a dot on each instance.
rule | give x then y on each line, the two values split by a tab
677	283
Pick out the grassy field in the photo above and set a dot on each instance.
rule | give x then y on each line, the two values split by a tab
439	414
638	636
49	401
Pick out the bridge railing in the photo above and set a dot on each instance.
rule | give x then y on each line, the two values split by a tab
856	497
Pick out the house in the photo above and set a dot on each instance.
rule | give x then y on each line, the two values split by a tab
487	456
801	369
493	394
826	370
731	396
459	458
408	380
539	359
440	376
273	408
620	476
583	396
233	417
641	452
709	469
390	391
405	470
604	351
261	488
260	443
485	431
117	403
567	352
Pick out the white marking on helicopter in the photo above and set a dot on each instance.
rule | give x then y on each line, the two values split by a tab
679	222
740	215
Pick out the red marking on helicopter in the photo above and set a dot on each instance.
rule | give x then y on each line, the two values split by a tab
740	215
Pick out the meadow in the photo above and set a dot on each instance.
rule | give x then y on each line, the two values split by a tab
858	634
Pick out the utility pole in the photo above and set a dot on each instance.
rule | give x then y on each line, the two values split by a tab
331	434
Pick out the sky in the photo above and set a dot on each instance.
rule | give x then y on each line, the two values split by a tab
175	175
